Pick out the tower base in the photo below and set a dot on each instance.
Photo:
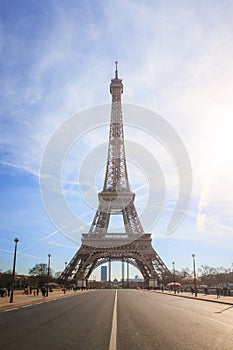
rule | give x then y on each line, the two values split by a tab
137	252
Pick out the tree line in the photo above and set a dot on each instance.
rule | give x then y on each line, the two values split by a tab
206	275
38	276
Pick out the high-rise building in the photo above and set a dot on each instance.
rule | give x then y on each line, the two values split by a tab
103	273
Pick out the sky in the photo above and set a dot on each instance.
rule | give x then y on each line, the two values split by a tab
56	62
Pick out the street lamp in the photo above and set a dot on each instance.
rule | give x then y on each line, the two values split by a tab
174	276
13	272
65	279
49	256
194	275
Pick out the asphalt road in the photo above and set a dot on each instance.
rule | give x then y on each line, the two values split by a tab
122	320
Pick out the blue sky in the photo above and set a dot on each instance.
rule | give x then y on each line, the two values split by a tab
57	59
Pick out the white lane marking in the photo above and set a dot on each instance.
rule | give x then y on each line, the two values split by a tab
112	345
15	308
24	306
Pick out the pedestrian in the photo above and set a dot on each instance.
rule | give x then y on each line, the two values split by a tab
8	291
37	291
218	292
43	291
2	292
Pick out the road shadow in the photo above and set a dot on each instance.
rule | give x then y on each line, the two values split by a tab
220	312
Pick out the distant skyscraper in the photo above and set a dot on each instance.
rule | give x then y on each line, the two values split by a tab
103	273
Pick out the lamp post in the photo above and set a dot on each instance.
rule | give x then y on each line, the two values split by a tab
194	275
65	280
49	256
174	276
13	272
162	284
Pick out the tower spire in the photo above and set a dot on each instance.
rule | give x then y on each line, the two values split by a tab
116	71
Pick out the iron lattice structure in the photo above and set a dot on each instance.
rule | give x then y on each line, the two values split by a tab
99	246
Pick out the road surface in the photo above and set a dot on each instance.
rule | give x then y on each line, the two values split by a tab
122	320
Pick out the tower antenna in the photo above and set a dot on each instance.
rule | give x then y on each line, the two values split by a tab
116	75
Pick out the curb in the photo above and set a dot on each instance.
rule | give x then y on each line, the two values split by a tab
197	298
16	305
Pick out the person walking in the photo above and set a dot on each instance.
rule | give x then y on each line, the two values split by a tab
43	291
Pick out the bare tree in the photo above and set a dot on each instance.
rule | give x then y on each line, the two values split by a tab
39	274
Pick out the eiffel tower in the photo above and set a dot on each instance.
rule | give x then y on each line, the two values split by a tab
100	246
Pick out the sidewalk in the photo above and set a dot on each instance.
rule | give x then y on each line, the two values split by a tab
210	297
22	299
